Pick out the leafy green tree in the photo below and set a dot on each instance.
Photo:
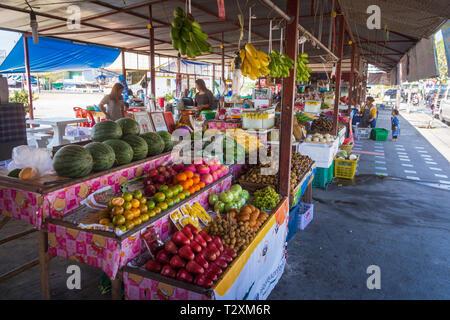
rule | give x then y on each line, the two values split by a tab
22	97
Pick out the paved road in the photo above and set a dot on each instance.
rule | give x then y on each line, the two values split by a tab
411	157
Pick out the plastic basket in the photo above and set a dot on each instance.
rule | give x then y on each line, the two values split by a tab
379	134
209	114
347	148
293	223
299	218
345	168
363	133
323	177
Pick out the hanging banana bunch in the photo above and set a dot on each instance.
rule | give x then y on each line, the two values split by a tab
254	63
187	35
280	64
303	71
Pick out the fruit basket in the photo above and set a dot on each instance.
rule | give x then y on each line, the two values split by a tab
345	168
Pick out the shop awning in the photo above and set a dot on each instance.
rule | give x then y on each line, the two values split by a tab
58	55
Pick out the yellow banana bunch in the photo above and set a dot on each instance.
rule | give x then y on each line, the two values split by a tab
254	62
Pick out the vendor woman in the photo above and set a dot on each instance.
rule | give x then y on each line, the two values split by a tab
369	114
115	106
204	99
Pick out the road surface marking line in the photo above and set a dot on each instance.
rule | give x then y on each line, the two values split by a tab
401	152
422	151
407	165
380	168
412	178
410	171
440	175
380	162
403	156
381	157
428	162
419	147
401	159
443	181
435	169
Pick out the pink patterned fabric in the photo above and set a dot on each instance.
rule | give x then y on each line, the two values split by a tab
140	288
218	125
21	205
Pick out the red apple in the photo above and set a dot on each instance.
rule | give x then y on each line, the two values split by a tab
153	266
171	247
163	257
186	253
194	267
176	262
180	239
167	271
185	276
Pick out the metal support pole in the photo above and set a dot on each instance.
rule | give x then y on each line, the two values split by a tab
338	75
350	88
28	75
292	9
124	71
152	52
223	68
213	77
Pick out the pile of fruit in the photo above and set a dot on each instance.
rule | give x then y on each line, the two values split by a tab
302	70
254	63
266	199
252	215
253	174
129	210
187	35
192	256
320	138
280	64
301	117
300	164
322	125
226	201
190	215
114	143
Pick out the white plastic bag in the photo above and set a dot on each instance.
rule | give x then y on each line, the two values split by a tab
31	157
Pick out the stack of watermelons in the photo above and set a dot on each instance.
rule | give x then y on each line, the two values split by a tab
114	143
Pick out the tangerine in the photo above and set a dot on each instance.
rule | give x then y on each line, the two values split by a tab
189	174
181	177
190	181
201	184
196	180
192	190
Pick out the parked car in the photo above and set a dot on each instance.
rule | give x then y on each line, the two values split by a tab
443	110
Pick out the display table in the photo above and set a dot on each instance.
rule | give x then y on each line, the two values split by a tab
251	276
59	128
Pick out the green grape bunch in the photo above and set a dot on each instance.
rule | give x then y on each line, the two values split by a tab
266	199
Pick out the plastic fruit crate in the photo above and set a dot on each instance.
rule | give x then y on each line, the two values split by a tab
379	134
363	133
323	177
299	218
345	168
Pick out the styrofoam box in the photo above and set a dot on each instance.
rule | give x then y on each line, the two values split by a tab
312	106
322	153
306	217
341	135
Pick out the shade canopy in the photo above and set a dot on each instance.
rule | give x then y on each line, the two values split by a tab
58	55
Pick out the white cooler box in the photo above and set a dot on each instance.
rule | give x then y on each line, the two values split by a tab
322	153
341	135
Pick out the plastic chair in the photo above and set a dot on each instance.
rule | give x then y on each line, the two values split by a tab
91	120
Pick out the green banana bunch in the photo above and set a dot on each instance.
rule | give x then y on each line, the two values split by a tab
187	35
303	71
280	64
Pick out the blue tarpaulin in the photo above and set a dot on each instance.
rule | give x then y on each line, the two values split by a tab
58	55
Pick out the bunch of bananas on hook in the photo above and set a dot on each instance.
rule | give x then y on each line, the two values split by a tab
280	64
302	71
253	63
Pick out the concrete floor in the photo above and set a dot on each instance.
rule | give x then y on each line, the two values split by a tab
394	221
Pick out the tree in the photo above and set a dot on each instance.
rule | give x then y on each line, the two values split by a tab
22	97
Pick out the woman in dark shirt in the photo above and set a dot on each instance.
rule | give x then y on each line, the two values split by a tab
204	99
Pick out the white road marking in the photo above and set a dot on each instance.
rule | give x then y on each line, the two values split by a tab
429	162
412	178
432	168
407	165
419	147
380	162
380	168
401	159
381	157
422	151
410	171
440	175
443	181
403	156
401	152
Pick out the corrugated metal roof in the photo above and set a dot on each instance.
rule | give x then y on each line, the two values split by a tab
122	24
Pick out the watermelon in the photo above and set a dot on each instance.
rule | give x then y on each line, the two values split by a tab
129	126
155	143
122	150
102	154
106	130
73	161
139	145
167	138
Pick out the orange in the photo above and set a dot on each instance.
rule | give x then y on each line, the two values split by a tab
118	201
196	187
135	203
196	180
143	208
117	210
136	212
192	190
189	174
157	210
201	184
186	185
181	177
129	215
190	181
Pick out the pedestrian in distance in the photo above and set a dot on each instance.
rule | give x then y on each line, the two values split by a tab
395	124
